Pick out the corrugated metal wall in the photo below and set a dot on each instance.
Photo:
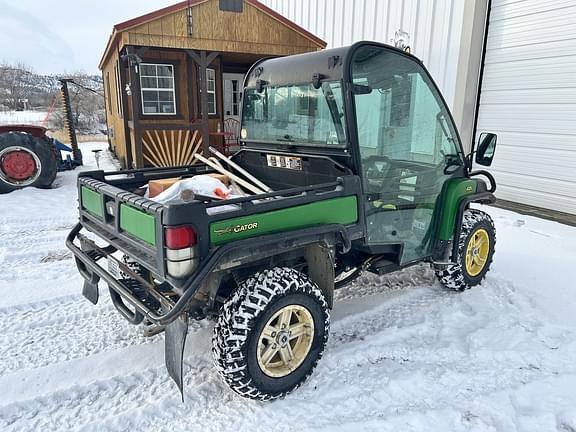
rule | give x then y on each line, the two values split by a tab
528	98
434	26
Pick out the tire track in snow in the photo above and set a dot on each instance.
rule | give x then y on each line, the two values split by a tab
399	312
148	400
31	315
79	406
156	383
36	223
369	284
19	242
38	257
21	250
87	332
71	330
41	272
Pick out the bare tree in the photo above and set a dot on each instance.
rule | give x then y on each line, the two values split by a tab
87	103
16	83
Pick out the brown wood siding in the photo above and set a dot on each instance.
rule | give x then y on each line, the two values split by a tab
251	31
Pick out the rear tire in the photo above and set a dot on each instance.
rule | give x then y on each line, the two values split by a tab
257	354
475	252
38	154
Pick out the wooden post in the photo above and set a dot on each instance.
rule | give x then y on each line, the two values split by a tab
204	103
203	61
192	106
124	110
138	156
136	105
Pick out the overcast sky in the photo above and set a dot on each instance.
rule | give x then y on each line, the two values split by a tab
56	36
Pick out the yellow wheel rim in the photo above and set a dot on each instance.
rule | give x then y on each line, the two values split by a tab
285	341
477	252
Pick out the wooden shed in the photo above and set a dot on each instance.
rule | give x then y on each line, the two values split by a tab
173	77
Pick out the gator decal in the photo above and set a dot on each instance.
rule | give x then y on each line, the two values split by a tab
237	228
342	210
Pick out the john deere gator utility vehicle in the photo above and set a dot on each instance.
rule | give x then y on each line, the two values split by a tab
367	173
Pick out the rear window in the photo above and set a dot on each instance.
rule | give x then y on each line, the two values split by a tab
299	114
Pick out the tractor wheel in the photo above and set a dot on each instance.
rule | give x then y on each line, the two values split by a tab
475	251
271	334
25	161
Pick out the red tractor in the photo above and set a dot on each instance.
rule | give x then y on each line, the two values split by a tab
28	157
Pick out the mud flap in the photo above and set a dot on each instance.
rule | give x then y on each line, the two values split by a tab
90	288
175	339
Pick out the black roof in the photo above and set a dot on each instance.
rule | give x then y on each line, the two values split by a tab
330	64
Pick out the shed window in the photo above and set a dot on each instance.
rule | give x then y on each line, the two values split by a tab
157	86
211	90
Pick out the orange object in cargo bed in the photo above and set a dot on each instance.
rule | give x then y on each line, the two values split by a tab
155	187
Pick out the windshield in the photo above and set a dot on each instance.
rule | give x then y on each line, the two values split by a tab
297	114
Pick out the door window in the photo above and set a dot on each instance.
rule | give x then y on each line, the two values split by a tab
406	140
211	90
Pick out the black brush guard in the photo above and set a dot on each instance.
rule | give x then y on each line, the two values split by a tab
174	315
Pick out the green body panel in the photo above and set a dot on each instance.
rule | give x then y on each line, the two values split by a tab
454	191
332	211
138	224
91	201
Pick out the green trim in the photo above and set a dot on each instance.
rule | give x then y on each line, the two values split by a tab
138	224
91	201
454	191
332	211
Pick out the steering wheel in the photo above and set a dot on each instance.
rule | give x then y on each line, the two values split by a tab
376	169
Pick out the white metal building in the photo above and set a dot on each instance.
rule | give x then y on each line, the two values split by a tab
528	82
528	97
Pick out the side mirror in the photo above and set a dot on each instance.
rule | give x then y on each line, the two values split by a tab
486	148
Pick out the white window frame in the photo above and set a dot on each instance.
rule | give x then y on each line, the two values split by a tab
143	89
211	93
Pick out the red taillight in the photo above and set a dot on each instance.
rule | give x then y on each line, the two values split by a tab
180	237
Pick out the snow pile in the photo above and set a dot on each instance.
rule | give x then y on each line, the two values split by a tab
404	354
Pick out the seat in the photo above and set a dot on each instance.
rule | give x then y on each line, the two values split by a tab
232	132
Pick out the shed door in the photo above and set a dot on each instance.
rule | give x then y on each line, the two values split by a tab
528	97
232	91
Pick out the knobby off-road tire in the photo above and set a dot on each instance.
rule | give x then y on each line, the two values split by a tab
245	331
38	150
475	252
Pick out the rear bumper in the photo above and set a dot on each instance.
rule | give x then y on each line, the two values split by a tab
87	257
222	258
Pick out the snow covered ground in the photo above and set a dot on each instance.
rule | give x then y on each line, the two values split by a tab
404	354
22	117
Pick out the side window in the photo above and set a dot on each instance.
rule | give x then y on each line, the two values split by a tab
157	87
398	111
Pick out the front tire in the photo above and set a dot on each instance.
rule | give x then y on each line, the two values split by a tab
270	334
475	252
